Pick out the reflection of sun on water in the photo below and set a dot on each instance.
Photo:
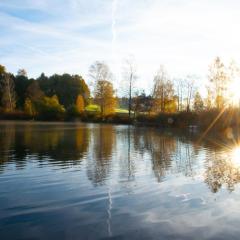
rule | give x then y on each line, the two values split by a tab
236	156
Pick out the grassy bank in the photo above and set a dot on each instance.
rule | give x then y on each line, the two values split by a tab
214	120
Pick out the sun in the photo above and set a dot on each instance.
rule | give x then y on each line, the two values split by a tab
236	156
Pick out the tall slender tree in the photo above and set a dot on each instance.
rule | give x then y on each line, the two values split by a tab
8	96
218	82
130	76
198	103
190	91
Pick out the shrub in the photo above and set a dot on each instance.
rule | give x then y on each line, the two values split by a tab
49	108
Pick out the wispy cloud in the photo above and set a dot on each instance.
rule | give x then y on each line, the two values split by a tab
68	35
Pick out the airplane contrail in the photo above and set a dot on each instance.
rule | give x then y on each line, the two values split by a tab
115	60
114	33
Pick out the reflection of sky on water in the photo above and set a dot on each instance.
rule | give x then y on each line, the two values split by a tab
95	181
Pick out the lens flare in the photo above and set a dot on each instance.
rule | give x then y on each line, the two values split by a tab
234	90
236	156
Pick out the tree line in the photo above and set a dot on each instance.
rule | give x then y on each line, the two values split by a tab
43	97
67	96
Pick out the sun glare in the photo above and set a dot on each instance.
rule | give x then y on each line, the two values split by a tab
236	156
234	90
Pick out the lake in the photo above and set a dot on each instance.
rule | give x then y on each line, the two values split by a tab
90	181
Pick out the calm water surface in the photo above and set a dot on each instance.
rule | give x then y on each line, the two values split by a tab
86	181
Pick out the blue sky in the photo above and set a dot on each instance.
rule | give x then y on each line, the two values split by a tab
56	36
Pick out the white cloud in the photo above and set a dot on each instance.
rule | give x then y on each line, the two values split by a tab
184	35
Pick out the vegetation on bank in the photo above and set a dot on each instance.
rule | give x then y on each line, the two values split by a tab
171	103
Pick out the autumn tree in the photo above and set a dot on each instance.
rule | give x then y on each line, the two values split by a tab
29	107
104	96
218	83
80	104
163	92
50	108
2	70
103	88
198	103
8	95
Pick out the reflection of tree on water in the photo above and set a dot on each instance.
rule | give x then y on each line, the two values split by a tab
126	154
160	147
167	152
184	158
11	147
220	170
67	145
53	143
98	166
161	151
130	160
59	143
7	137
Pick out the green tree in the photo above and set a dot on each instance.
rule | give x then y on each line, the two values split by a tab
34	92
21	84
67	87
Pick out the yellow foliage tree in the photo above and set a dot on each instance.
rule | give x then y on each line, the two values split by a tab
104	96
54	100
50	108
163	93
29	107
80	104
